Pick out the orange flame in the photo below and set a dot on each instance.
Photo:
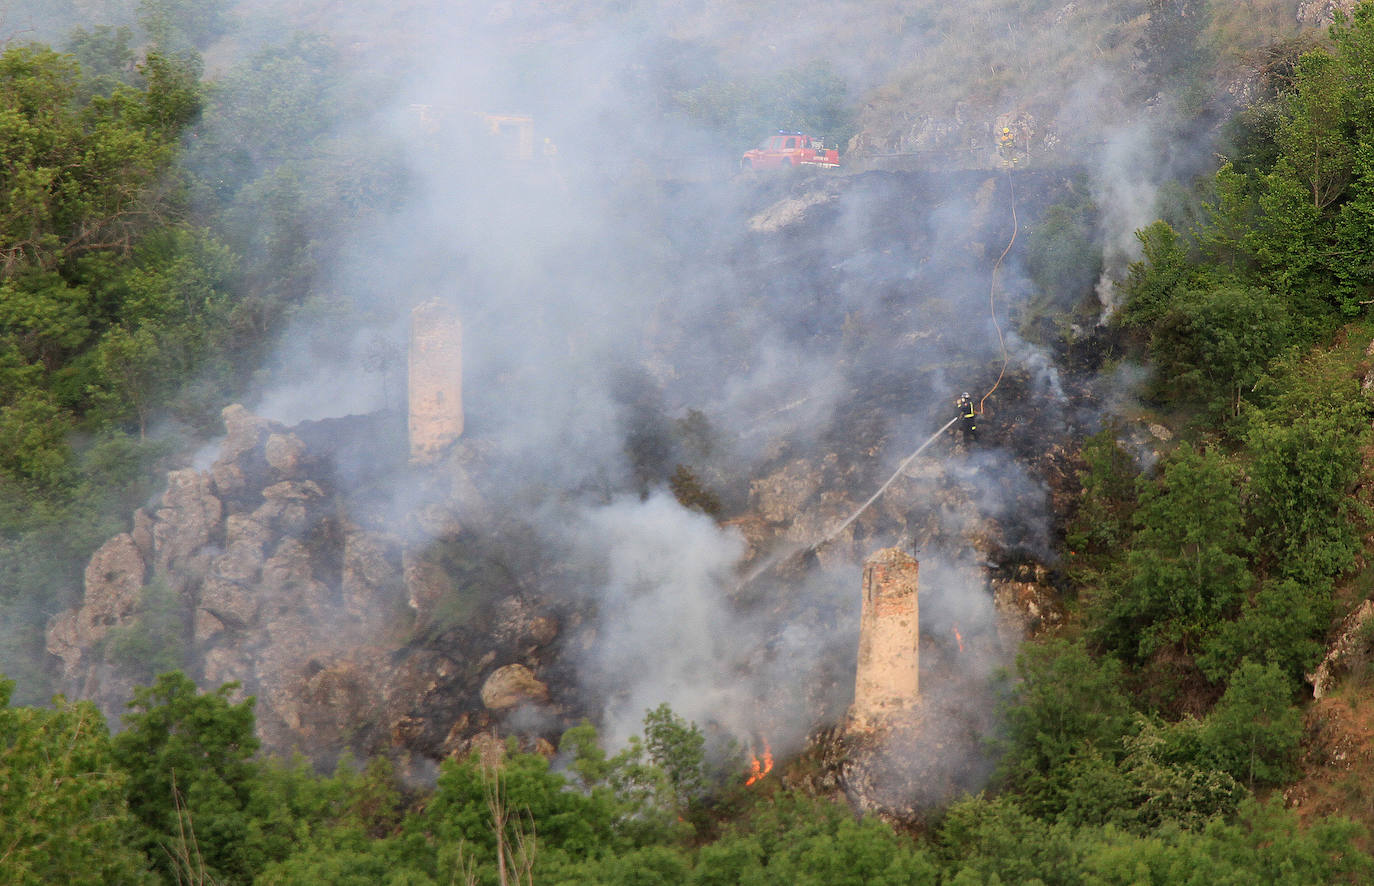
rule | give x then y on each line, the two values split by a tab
760	766
960	637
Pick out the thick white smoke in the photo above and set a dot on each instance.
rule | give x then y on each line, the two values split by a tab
667	632
606	290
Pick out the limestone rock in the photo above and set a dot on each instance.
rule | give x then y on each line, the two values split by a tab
518	624
467	501
916	764
142	534
542	630
228	478
790	210
243	434
286	507
489	748
241	530
437	521
372	572
332	699
225	665
1323	12
188	517
511	686
291	591
292	490
231	604
240	564
1352	641
285	453
114	582
206	627
782	495
426	583
1026	609
114	579
288	579
243	430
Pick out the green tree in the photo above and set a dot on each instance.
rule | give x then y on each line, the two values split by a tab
1104	519
188	759
679	749
1253	732
791	839
1313	133
1288	239
33	441
637	793
1160	782
46	319
1213	344
1187	568
1302	477
63	817
1352	265
1282	625
640	866
1062	256
1172	46
180	25
1163	272
155	642
105	54
132	369
994	840
1066	705
489	810
173	97
77	174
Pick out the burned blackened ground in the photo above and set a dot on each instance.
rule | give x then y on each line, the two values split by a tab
883	284
805	334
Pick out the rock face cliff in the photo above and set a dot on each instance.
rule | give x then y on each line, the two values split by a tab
363	624
374	604
311	601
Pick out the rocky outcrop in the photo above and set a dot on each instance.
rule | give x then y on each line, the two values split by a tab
790	210
1027	605
1318	13
114	582
314	600
1353	643
511	686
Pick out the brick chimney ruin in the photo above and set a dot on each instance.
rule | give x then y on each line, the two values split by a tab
435	380
887	682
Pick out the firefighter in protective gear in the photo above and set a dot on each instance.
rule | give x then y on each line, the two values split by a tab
1006	146
968	417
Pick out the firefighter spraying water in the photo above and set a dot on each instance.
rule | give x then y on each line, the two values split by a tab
967	416
967	413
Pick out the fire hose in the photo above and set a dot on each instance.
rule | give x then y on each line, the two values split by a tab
992	292
881	489
1002	342
791	552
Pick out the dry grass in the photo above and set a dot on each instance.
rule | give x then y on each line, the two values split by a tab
1338	759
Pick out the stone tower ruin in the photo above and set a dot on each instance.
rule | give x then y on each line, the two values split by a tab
435	380
887	682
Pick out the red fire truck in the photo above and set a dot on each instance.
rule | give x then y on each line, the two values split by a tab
787	150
